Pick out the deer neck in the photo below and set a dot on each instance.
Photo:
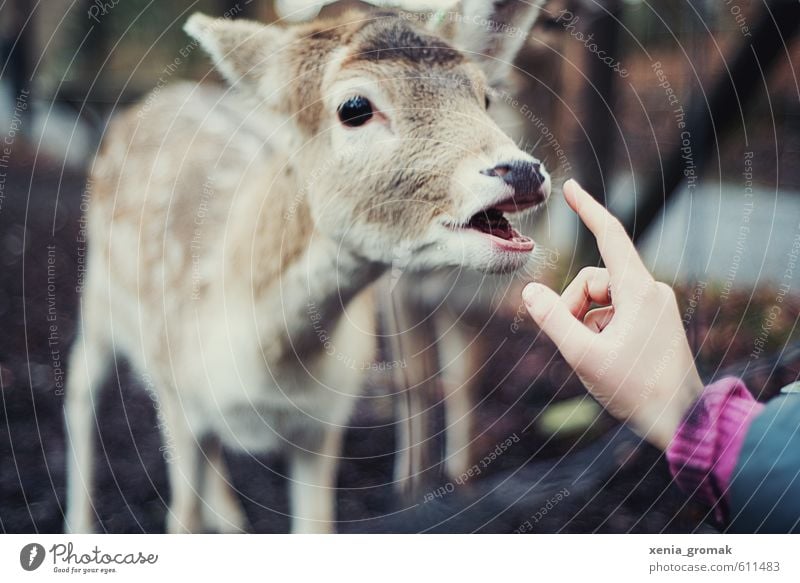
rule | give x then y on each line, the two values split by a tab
301	279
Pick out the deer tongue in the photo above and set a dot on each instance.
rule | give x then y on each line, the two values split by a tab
492	222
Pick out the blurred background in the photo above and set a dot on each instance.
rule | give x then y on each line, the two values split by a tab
683	117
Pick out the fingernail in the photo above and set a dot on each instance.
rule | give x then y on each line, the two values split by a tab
530	292
574	183
569	185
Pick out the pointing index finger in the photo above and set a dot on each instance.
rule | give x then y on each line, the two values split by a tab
616	248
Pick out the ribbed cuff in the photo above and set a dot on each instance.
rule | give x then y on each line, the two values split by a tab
703	453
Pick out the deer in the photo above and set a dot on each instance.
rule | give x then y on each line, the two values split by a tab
235	234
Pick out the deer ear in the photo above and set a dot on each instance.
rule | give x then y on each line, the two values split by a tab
492	32
248	54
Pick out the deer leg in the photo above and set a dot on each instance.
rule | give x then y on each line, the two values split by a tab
222	511
312	485
461	353
411	332
183	456
88	363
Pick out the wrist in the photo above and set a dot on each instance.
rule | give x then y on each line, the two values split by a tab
663	417
659	426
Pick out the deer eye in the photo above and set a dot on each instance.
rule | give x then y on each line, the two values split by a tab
488	101
355	112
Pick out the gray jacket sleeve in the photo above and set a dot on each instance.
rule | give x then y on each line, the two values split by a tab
765	489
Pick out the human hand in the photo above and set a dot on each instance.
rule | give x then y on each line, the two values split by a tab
631	353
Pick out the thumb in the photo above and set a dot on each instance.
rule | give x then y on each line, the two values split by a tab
553	316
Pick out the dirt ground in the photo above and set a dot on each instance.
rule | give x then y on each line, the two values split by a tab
604	481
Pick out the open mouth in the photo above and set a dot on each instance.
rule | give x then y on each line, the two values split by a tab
492	223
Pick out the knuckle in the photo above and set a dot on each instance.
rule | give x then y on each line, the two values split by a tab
599	277
592	277
543	313
615	227
664	290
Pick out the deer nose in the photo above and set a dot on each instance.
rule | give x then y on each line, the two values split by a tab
524	176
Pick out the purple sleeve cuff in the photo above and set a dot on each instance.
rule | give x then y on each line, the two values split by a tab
703	453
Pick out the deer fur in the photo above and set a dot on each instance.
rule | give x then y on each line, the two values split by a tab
234	234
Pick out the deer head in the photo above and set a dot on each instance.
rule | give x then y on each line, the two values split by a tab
397	148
